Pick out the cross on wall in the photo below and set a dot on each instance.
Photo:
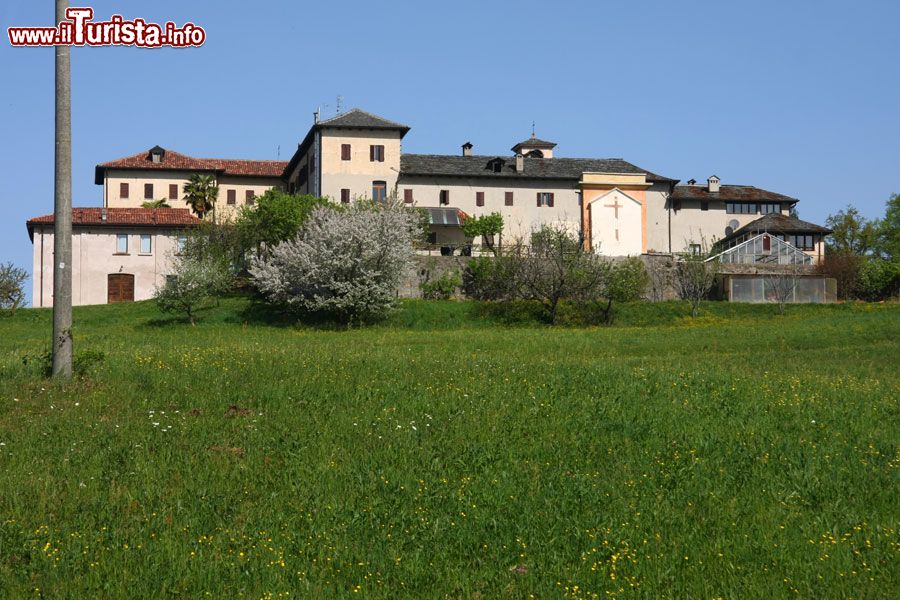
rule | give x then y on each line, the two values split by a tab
615	206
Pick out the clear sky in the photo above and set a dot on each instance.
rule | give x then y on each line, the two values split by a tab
799	97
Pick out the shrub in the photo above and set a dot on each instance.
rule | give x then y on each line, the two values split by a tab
879	279
346	264
628	280
196	277
12	286
441	288
85	363
845	268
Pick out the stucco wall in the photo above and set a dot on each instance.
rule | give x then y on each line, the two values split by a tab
162	179
616	223
94	257
690	224
520	218
358	173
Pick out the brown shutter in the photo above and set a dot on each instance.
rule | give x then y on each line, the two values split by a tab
538	198
173	191
123	190
345	195
371	153
148	191
250	196
550	202
345	151
509	199
479	198
408	196
380	153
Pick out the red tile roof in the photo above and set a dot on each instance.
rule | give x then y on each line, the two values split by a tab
133	217
175	161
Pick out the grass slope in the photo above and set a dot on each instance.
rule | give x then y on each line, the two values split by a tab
439	455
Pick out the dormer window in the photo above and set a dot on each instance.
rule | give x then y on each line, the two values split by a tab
495	165
157	154
535	154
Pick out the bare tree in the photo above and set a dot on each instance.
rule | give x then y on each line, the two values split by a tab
694	277
780	285
62	211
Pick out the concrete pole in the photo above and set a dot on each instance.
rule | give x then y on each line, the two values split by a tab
62	212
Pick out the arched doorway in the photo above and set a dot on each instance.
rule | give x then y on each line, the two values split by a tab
119	288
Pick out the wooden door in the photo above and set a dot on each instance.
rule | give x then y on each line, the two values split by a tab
120	288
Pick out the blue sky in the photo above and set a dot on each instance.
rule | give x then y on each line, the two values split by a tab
797	97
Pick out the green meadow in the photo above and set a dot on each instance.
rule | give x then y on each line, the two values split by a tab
443	454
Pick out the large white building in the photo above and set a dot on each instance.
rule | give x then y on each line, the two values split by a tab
616	207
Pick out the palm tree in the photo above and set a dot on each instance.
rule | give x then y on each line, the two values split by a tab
200	193
161	203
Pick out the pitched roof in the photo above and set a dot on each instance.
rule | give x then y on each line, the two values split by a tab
535	168
175	161
360	119
729	193
119	217
533	142
776	223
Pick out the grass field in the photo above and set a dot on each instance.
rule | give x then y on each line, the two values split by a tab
441	455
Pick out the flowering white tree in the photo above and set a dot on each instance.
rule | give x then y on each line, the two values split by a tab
347	263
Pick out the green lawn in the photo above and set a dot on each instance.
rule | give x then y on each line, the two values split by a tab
441	455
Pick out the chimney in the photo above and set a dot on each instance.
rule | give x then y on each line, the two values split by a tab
103	214
692	182
713	184
467	149
316	117
520	163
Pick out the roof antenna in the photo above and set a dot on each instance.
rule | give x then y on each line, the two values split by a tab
532	130
278	152
340	104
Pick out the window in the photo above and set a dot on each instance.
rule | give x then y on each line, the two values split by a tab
408	196
741	208
545	199
769	207
345	151
376	153
180	243
345	195
122	243
767	243
508	199
695	249
444	197
803	242
249	196
123	190
173	191
704	205
479	198
232	196
379	191
146	243
148	191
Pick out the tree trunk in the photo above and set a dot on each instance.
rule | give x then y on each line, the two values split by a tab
62	212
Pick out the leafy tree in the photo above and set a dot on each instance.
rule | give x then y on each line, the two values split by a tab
200	193
276	217
888	243
346	264
12	286
853	233
486	226
197	276
161	203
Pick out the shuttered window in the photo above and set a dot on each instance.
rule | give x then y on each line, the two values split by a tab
345	195
173	191
376	153
545	199
479	198
232	196
508	199
123	190
148	191
345	151
250	196
444	197
408	196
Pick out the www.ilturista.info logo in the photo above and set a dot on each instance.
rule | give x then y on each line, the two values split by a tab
80	30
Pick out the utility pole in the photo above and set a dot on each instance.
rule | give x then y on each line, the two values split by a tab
62	211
